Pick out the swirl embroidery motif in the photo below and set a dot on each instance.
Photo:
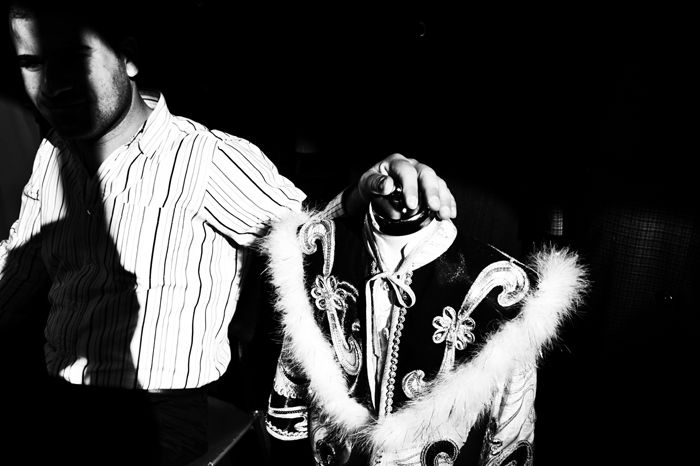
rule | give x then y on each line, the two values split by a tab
332	296
455	329
440	453
329	294
320	230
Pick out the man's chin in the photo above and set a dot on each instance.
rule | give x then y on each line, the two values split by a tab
74	130
70	123
72	133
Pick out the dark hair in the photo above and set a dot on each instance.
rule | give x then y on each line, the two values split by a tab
113	23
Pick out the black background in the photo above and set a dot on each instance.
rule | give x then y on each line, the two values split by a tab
557	91
534	106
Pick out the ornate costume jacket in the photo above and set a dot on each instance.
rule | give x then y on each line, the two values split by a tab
458	379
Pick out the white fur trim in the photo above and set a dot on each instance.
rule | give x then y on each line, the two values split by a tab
466	392
454	402
327	384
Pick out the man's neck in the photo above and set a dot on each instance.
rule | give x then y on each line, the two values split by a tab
94	152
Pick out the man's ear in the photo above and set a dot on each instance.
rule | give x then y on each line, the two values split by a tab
129	49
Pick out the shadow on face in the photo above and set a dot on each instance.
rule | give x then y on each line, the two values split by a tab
73	69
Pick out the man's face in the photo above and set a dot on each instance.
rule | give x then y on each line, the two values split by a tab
75	79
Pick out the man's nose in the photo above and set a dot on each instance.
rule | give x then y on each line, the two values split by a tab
57	79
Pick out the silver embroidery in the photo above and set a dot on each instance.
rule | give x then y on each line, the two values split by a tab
505	274
413	384
439	453
455	329
456	333
284	386
513	416
284	434
331	295
323	230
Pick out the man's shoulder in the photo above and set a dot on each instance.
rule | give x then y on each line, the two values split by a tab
177	128
190	129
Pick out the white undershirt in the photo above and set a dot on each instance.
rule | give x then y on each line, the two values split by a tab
395	254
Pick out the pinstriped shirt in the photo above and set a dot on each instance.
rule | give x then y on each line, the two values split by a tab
145	257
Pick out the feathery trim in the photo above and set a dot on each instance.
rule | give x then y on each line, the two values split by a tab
455	401
327	384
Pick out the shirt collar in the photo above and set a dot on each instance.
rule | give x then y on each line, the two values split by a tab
151	135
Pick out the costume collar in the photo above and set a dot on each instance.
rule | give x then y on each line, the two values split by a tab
417	249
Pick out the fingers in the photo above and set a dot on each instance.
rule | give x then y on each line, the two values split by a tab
419	184
377	181
447	205
436	194
403	173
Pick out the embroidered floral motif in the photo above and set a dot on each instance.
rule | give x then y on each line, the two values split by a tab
332	296
453	330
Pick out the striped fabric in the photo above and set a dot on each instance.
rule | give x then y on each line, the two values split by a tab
146	257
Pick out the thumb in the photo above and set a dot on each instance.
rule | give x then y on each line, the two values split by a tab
376	184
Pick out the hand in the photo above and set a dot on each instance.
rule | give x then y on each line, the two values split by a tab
420	187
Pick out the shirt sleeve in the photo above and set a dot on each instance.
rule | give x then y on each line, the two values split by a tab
245	191
334	208
22	271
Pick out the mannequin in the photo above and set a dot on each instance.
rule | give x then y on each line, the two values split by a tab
406	343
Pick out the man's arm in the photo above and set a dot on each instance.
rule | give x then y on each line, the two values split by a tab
22	272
